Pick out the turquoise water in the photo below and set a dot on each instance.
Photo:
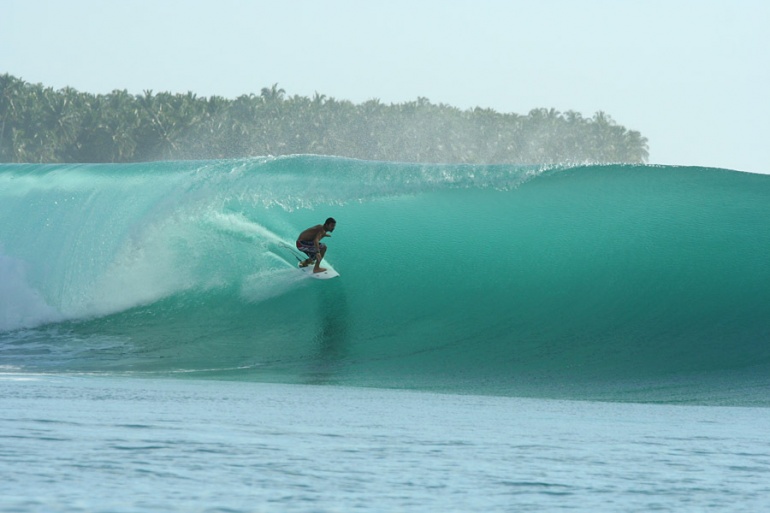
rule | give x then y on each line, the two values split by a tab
160	352
612	282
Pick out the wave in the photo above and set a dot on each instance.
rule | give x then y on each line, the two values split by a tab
610	281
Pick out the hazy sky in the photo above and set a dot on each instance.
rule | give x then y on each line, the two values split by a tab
693	76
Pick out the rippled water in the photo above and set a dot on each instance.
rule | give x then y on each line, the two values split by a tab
73	444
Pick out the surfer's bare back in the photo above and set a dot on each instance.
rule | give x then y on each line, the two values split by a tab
309	242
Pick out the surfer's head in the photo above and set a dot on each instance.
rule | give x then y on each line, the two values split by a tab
330	224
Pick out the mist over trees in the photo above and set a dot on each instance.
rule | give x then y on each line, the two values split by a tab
40	124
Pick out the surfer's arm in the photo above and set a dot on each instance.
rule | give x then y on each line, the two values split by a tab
317	239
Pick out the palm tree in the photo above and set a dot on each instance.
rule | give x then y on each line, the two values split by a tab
42	125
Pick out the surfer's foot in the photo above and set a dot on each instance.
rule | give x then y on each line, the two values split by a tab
305	263
319	270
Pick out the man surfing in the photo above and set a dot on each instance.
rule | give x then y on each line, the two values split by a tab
309	242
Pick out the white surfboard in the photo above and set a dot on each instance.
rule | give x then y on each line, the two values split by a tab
328	274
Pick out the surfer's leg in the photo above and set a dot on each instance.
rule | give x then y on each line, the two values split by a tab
311	257
318	258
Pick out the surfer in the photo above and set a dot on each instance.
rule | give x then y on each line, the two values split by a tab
309	242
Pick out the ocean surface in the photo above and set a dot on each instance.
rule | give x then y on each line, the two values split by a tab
501	338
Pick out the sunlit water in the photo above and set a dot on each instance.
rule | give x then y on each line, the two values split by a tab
159	350
73	444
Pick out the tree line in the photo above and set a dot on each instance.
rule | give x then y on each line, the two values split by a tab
40	124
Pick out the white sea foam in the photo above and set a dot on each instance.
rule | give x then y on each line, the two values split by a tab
21	305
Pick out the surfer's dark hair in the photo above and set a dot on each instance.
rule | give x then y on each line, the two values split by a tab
330	221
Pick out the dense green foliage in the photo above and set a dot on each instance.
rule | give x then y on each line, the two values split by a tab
39	124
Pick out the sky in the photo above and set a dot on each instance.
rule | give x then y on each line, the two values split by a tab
693	76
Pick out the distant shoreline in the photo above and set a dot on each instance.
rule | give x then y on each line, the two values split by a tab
41	125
